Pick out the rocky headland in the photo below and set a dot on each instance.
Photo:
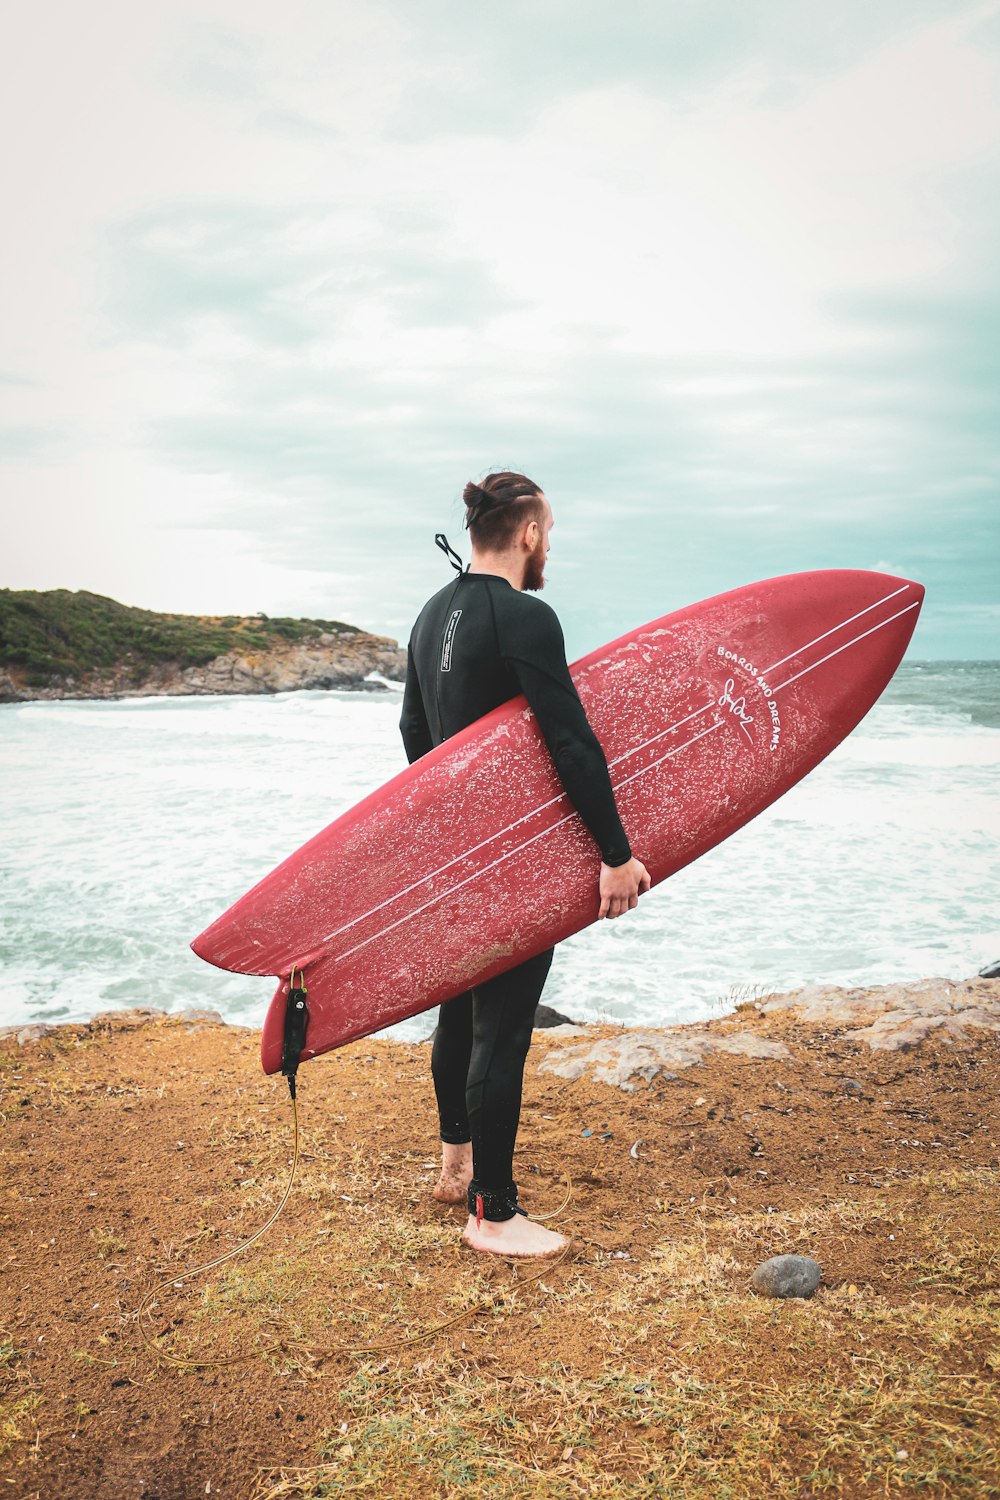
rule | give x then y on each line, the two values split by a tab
60	644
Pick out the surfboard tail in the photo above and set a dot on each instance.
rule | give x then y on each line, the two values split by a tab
324	989
322	996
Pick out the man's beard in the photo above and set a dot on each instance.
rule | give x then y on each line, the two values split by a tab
534	570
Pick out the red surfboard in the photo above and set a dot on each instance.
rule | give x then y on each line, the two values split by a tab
473	859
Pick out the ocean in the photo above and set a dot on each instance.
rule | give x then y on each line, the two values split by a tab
126	827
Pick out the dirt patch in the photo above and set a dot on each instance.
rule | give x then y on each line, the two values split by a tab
645	1366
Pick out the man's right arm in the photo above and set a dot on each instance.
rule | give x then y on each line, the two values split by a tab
537	656
534	649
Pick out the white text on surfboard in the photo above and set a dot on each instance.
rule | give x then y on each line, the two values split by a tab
737	706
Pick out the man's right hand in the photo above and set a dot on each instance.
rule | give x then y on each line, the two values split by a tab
621	887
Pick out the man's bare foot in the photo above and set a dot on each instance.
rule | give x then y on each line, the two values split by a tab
517	1236
456	1173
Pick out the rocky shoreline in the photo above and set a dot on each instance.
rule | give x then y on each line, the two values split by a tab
344	659
885	1018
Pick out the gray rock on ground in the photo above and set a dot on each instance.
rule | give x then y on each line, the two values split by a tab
898	1030
119	1020
546	1017
636	1057
194	1017
787	1276
145	1015
896	1017
125	1020
33	1032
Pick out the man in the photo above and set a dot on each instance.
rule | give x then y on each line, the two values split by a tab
478	642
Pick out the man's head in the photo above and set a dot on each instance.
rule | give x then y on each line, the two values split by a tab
509	517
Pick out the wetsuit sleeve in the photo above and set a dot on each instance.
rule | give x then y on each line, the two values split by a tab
535	651
413	725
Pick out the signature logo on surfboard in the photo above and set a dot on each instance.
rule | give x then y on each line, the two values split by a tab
737	705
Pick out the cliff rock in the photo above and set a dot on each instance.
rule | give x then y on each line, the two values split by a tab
341	660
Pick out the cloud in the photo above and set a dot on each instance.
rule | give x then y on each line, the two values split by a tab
30	442
719	278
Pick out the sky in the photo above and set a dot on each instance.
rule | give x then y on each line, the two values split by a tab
721	277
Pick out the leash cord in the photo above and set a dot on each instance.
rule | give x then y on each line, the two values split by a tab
174	1282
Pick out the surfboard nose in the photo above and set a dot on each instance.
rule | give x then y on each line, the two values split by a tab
916	590
868	619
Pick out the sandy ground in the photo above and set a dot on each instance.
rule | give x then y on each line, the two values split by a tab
644	1365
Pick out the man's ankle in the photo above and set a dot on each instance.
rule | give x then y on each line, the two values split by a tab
496	1205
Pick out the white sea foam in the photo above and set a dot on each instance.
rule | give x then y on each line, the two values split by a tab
127	827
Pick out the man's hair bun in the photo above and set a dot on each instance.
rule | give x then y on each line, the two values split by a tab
478	499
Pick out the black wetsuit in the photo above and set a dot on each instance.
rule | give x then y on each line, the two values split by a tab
477	643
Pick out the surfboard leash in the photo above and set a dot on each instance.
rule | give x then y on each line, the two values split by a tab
296	1021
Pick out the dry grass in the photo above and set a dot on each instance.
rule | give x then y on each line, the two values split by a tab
108	1243
707	1392
19	1402
644	1367
640	1430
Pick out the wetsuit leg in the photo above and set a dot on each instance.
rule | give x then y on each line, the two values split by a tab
450	1056
503	1012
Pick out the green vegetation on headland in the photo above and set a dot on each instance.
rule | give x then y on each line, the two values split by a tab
59	634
